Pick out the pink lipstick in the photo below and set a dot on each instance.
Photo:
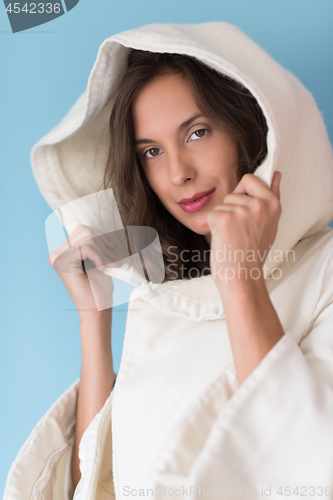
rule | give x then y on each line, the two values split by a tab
197	201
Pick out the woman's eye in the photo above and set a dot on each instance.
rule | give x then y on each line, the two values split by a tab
198	134
150	153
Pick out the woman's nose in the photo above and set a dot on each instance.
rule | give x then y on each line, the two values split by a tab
181	168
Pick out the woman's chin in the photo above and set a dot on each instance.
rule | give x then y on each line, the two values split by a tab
198	224
202	229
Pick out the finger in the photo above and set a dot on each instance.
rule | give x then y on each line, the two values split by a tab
83	233
109	255
238	199
225	208
88	252
275	184
86	234
251	185
97	239
70	261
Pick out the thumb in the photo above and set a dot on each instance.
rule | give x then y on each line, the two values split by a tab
275	184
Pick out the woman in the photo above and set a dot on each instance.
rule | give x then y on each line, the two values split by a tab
225	383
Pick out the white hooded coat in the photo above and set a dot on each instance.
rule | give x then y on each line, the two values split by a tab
176	422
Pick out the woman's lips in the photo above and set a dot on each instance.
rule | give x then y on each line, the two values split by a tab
195	205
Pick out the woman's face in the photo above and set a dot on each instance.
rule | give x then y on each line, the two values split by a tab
183	153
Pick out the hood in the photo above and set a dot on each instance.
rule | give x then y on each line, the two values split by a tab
68	162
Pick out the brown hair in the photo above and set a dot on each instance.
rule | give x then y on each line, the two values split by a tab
225	101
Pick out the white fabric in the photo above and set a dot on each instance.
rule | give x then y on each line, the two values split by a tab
41	468
178	417
68	162
191	423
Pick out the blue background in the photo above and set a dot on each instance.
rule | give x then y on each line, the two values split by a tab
43	72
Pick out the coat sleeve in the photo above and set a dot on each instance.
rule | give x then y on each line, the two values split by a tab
274	438
42	468
95	454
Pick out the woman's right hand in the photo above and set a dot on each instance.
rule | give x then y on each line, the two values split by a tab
92	291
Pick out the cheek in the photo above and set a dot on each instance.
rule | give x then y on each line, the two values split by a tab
157	185
223	164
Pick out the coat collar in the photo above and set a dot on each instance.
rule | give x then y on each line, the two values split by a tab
197	299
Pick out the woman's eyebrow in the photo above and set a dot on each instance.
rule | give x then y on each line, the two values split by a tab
143	141
181	127
188	122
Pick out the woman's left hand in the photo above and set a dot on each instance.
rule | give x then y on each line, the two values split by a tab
242	231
